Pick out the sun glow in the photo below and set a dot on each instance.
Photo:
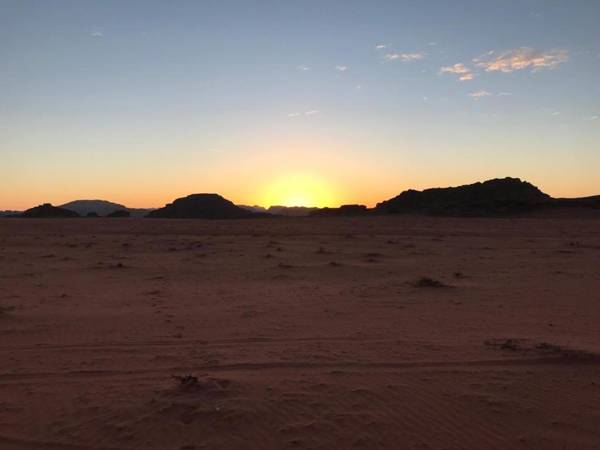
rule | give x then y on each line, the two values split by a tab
299	190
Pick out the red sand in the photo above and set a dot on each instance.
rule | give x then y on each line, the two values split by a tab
303	333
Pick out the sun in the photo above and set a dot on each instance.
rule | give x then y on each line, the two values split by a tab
298	190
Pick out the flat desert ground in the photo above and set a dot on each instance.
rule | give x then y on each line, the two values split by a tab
307	333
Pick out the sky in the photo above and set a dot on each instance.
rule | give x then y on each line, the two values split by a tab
294	102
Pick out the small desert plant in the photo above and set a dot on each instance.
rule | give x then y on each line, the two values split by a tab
544	346
6	309
186	382
427	282
509	344
505	344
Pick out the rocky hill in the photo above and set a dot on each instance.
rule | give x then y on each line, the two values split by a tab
492	197
103	208
100	207
201	206
48	211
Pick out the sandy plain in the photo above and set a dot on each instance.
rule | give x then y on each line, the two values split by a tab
302	333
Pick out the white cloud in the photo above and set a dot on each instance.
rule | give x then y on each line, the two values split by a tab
303	68
380	46
341	68
312	112
480	94
456	68
594	117
405	57
463	72
97	32
521	59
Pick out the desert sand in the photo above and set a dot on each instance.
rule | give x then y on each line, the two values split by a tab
309	333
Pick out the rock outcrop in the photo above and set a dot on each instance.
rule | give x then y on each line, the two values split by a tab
48	211
100	207
492	197
201	206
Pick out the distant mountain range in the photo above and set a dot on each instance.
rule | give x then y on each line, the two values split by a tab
344	210
9	213
497	197
80	208
102	208
277	210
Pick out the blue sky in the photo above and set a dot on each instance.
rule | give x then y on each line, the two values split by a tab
141	102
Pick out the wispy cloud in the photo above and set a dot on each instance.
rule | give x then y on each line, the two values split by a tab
480	94
405	57
594	117
341	68
303	68
463	72
380	46
97	32
312	112
521	59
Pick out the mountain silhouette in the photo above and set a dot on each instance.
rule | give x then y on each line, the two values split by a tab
100	207
496	197
291	211
344	210
103	208
9	213
278	210
48	211
202	206
581	202
493	197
